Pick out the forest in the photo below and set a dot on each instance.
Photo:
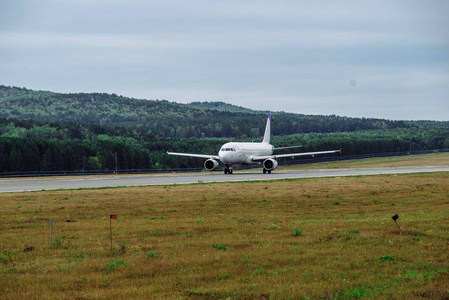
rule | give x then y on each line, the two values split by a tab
174	120
45	131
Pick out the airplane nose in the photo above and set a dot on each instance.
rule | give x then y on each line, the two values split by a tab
225	157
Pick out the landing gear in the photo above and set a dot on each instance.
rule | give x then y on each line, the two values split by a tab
265	171
228	169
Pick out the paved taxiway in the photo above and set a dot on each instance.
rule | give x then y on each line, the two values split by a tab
20	185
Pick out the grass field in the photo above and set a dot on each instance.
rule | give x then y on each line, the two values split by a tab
434	159
307	238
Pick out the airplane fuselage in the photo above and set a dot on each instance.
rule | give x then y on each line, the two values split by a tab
243	153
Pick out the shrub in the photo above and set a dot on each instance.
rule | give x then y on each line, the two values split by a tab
153	254
6	256
61	242
245	259
117	263
386	258
220	247
297	231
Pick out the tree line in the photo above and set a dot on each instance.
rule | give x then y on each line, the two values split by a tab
21	154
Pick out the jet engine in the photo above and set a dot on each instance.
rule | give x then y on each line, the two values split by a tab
270	164
211	164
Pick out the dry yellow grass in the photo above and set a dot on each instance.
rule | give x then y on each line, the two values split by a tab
434	159
329	237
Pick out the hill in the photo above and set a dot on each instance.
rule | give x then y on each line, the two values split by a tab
169	119
220	106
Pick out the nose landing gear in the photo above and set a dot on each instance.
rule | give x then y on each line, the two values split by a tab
228	169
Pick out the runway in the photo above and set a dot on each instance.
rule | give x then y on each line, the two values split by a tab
21	185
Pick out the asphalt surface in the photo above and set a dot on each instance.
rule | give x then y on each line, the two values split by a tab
20	185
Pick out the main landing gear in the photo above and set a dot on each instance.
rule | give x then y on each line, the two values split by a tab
228	169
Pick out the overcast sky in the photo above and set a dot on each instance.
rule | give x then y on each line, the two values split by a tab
383	59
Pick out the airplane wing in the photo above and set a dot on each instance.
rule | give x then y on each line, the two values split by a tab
194	155
262	158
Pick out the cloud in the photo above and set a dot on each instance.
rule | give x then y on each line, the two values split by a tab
298	56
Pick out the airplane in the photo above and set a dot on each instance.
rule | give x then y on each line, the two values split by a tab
249	154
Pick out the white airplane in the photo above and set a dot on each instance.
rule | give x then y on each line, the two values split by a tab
249	154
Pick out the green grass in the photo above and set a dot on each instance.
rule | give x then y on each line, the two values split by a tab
117	263
153	254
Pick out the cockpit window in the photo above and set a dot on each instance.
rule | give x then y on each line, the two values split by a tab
227	149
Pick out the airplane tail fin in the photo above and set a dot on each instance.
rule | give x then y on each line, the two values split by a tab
267	135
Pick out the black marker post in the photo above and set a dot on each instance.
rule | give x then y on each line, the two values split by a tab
395	217
110	225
